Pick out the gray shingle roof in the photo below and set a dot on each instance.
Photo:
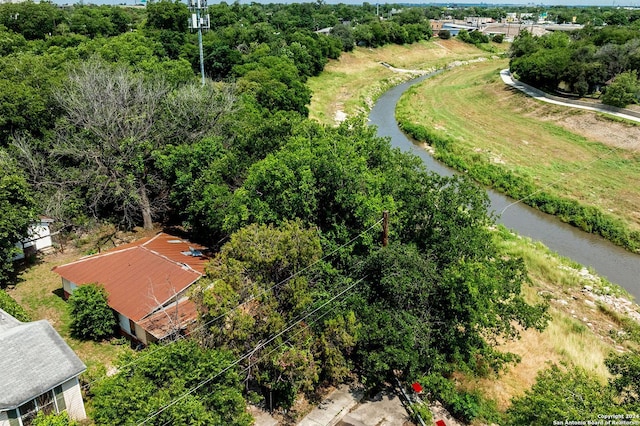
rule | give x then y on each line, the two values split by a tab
34	359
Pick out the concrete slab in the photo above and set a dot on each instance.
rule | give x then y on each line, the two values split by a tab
385	409
262	417
333	408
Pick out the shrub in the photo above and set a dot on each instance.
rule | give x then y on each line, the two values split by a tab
462	405
10	306
623	90
91	316
463	35
61	419
444	34
498	38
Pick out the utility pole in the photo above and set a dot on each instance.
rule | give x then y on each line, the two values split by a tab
199	21
385	228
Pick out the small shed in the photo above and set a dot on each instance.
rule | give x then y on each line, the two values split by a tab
38	238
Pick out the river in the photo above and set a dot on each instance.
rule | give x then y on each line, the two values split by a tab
619	266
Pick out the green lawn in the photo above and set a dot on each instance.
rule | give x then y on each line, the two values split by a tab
492	123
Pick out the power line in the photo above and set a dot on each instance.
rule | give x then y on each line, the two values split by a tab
251	298
251	364
247	354
290	277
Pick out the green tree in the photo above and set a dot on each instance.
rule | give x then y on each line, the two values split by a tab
17	213
253	265
625	380
560	395
444	34
260	283
276	83
332	178
180	383
91	316
32	20
168	15
345	34
394	308
624	90
10	306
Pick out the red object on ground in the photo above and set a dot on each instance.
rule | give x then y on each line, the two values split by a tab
416	387
441	423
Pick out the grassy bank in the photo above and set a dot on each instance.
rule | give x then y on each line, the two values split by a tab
502	139
581	331
349	86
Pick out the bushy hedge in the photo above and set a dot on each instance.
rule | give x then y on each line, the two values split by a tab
10	306
587	218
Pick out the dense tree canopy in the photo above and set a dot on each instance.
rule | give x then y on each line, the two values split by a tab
585	62
110	126
17	212
148	382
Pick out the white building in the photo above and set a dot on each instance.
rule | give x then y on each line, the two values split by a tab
39	372
37	239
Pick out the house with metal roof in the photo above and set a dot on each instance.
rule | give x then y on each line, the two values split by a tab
39	372
146	283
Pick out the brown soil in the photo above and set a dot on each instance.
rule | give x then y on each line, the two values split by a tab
596	127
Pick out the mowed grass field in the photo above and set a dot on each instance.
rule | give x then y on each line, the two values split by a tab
486	118
351	84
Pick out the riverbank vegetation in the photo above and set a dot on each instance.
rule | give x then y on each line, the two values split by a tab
535	155
350	85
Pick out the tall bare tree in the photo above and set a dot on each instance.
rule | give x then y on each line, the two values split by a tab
110	131
115	120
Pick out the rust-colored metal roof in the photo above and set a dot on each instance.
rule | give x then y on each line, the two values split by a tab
138	278
170	319
179	250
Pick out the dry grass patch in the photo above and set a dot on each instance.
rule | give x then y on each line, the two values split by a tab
348	86
564	340
579	332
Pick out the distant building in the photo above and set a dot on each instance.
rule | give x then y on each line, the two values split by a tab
478	20
146	282
39	372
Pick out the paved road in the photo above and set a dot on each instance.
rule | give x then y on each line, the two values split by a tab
540	95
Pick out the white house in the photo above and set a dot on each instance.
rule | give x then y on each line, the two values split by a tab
38	238
39	372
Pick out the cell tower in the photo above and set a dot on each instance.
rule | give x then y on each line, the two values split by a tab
199	21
